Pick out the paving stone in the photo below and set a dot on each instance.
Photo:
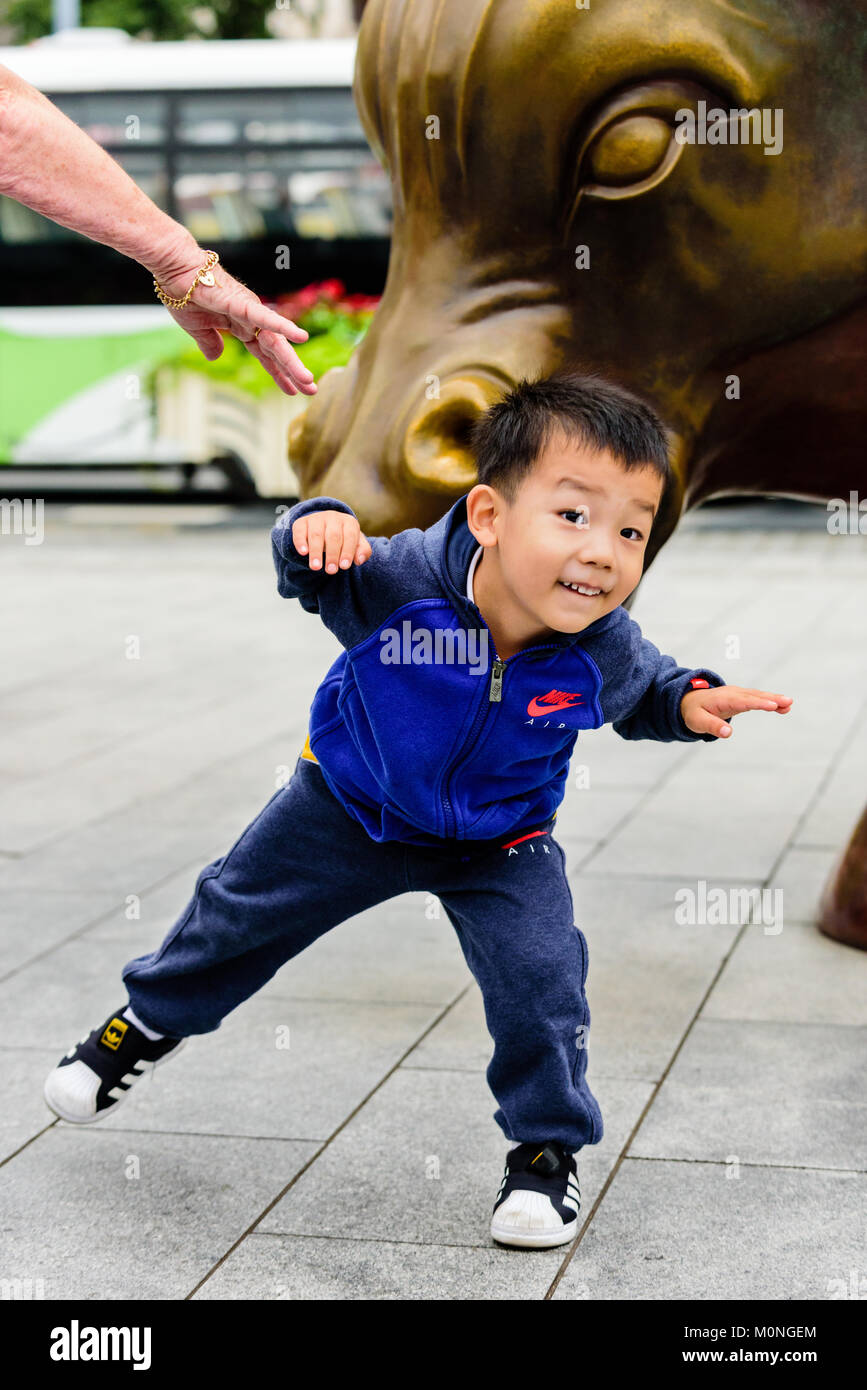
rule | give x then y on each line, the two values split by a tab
156	1234
36	810
277	1267
801	877
61	723
23	1112
128	852
708	822
612	762
797	976
763	1093
685	1230
832	817
32	921
594	814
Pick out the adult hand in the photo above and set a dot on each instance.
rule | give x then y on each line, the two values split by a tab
228	306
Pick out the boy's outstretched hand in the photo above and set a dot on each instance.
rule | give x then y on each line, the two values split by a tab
337	534
705	711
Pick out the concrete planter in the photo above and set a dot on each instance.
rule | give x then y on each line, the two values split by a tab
208	420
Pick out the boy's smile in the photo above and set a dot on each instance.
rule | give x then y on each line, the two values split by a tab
568	550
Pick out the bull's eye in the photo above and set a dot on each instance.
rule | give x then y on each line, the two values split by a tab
629	151
627	146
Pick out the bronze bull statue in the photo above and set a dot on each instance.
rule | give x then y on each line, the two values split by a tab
670	192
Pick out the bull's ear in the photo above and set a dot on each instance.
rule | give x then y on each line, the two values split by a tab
436	450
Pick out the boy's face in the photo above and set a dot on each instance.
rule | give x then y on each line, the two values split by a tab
539	541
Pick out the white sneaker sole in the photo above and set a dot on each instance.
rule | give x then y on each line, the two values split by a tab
529	1219
533	1240
57	1109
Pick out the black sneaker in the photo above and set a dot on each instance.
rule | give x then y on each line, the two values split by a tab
538	1201
98	1073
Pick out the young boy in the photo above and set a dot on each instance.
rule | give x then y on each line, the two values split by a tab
438	746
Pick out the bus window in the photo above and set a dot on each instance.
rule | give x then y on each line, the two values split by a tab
309	193
117	118
273	118
20	225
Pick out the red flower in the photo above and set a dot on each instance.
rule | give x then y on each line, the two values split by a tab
306	297
359	303
330	289
326	294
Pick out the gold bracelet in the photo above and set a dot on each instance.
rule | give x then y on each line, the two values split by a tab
204	277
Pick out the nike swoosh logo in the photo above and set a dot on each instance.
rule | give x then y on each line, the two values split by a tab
535	708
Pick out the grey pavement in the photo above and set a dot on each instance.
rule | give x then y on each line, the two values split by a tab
154	690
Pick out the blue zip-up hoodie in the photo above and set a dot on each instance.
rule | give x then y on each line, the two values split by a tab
425	750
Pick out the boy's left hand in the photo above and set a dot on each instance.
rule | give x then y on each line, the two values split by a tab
705	711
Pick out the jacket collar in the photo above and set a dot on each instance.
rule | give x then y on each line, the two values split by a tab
451	545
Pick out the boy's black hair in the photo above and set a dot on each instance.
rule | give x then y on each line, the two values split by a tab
509	437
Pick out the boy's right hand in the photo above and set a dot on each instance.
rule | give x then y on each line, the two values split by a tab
337	534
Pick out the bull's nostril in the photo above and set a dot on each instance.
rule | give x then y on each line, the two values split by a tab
437	453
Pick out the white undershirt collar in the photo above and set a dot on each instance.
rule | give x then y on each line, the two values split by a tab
474	562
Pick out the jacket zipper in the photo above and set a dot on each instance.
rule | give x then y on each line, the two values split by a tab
495	695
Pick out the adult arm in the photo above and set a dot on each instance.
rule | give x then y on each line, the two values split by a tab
51	165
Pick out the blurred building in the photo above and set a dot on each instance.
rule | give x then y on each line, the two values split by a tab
291	19
315	19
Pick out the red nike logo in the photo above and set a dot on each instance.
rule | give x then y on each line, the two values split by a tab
554	700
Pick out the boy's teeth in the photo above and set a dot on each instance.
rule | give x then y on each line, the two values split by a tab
581	588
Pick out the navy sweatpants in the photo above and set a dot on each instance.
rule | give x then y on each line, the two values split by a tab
304	865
